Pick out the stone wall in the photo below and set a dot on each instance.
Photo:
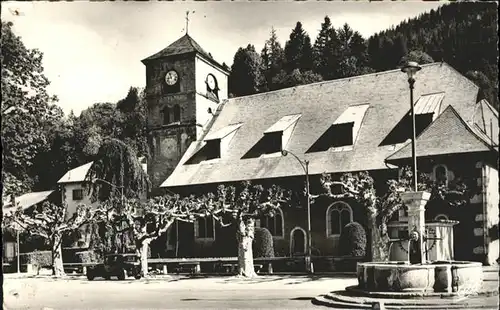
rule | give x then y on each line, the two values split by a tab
472	216
490	220
167	145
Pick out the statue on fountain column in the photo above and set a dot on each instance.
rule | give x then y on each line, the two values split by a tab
414	250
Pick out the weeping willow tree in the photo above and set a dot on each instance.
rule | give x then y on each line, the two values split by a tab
116	175
117	172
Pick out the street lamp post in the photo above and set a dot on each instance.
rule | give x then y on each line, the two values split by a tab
18	243
411	68
305	166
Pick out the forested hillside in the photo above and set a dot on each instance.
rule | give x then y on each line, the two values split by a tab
462	34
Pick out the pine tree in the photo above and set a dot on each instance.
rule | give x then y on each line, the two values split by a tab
462	34
353	56
326	50
399	50
298	50
273	59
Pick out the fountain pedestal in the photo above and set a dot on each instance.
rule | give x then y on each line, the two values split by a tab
415	202
413	284
417	275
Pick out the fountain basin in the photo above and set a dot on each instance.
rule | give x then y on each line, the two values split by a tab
440	276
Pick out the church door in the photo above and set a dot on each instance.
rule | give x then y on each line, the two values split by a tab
298	246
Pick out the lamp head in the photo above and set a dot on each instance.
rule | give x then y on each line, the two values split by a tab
411	68
284	152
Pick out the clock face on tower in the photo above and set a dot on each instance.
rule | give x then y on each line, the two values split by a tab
171	78
211	82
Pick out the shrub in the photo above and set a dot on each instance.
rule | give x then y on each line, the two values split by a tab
353	240
262	243
88	257
38	258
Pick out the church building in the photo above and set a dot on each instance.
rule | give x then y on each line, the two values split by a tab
200	138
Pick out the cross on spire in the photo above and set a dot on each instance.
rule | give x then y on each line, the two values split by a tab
187	20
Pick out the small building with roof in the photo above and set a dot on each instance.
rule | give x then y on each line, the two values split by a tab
27	202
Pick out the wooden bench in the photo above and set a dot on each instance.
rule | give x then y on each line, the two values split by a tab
233	267
193	267
230	267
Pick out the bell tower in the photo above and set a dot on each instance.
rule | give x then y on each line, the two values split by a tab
183	83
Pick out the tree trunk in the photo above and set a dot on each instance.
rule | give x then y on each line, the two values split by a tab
57	261
379	246
143	252
245	234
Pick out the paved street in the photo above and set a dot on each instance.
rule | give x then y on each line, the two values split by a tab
181	292
266	292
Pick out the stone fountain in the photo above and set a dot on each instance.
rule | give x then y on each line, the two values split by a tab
414	283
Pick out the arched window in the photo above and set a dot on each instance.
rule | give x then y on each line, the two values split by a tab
338	215
204	228
166	116
440	217
177	113
273	223
441	174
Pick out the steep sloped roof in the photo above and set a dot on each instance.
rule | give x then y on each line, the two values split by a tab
486	120
448	134
77	174
27	200
184	45
320	104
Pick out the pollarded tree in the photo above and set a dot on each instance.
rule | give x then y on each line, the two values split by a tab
243	205
381	208
50	222
141	222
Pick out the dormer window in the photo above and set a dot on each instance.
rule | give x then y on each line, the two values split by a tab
343	133
426	109
275	138
216	144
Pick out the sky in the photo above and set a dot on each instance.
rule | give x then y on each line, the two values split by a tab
93	50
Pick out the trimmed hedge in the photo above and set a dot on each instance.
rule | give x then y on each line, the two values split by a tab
353	240
262	243
88	257
38	258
